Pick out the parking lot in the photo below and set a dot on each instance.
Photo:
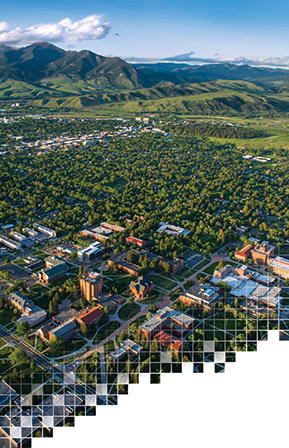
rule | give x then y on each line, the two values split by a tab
3	286
16	273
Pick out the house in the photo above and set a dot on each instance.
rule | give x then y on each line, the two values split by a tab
127	347
141	287
91	285
89	316
65	331
166	318
205	295
166	340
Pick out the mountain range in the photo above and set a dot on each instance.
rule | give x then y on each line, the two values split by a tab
44	75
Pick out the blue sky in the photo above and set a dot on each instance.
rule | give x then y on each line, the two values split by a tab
162	28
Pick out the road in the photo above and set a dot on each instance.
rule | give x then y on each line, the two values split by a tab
57	370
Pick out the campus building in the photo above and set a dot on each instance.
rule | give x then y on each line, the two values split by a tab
141	287
89	316
65	331
21	302
172	230
246	284
166	340
89	253
9	243
280	266
55	268
136	241
91	285
49	233
244	253
127	347
205	295
165	319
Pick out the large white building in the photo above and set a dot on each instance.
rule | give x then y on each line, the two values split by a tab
45	230
90	252
172	230
9	243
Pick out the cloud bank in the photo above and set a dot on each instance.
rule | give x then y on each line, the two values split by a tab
191	59
89	28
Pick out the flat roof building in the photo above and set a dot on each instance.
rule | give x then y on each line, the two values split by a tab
163	319
91	285
127	347
205	295
280	266
65	330
172	230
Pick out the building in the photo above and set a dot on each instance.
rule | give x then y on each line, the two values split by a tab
8	396
35	317
244	253
279	266
163	319
95	235
136	241
30	232
167	340
55	268
21	302
127	347
18	237
176	264
112	227
91	285
33	263
205	295
90	253
254	309
262	252
242	285
109	301
43	332
141	287
127	266
172	230
10	243
45	231
90	316
65	331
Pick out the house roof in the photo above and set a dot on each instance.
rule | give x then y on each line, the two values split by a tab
21	300
141	284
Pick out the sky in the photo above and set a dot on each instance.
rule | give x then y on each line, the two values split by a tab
154	29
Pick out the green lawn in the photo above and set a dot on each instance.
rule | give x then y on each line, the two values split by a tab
210	269
109	347
43	302
70	346
106	330
6	316
162	282
185	272
127	311
39	289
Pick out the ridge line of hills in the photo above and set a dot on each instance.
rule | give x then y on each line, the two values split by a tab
45	75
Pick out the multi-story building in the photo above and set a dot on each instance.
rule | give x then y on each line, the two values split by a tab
244	253
89	316
127	347
91	285
55	268
90	253
21	302
167	340
166	318
141	287
65	331
205	295
262	253
136	241
172	230
45	231
280	266
10	243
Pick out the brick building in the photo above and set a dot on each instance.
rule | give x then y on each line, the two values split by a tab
141	287
206	296
163	319
91	285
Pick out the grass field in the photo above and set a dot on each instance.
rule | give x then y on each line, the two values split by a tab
127	311
106	330
162	282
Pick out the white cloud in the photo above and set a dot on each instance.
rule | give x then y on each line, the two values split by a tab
89	28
